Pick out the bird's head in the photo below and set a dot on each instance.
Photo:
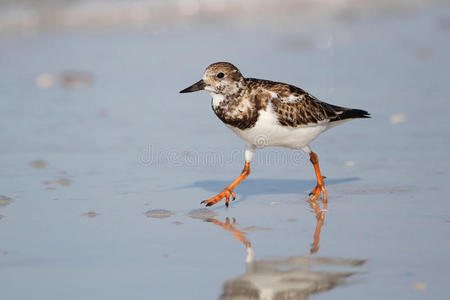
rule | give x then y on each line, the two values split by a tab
220	78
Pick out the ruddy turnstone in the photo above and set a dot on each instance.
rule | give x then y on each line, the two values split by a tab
267	113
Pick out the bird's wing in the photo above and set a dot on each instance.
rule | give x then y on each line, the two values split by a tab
294	107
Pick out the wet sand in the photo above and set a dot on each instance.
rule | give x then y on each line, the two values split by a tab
103	165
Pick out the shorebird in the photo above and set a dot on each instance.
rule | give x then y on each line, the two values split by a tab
266	113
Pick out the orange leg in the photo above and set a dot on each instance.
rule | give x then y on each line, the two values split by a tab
320	187
228	191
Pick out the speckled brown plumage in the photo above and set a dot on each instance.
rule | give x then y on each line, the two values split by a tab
242	109
293	106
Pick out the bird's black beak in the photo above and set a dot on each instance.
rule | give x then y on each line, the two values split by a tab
198	86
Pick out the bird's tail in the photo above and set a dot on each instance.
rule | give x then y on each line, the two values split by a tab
344	113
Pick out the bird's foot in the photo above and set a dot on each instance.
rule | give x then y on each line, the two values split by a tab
226	193
315	193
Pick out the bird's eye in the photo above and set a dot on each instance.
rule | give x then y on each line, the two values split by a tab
220	75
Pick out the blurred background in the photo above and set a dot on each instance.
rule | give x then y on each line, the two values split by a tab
103	163
157	15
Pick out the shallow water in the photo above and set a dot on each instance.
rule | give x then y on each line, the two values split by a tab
103	165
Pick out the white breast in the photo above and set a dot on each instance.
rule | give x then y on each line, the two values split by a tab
268	132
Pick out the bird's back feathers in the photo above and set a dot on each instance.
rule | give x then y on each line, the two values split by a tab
295	107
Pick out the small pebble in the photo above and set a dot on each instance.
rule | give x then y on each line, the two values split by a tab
76	79
45	80
177	223
350	163
64	181
38	164
5	200
202	213
254	228
419	286
158	213
91	214
397	118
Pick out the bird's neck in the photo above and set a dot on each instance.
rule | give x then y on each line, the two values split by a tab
235	109
218	100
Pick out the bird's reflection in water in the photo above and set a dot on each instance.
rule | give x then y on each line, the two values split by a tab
320	217
285	278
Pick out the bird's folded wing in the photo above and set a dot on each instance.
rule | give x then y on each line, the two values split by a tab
295	107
